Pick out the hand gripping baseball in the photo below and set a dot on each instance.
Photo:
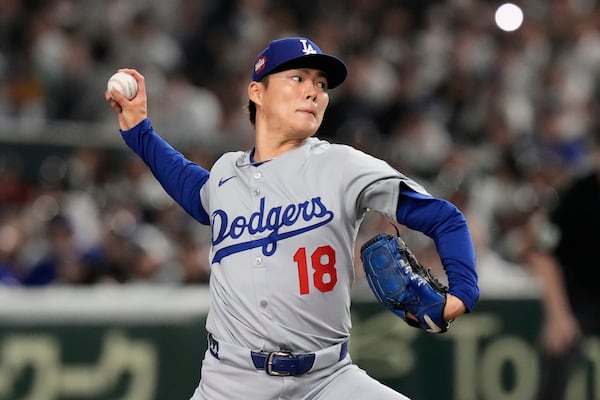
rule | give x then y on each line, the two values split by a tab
403	285
129	111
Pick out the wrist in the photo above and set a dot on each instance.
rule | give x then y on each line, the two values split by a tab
454	307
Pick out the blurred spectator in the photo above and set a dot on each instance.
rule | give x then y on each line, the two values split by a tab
144	44
12	237
23	95
61	260
129	250
420	144
194	112
193	257
571	299
502	117
70	92
14	190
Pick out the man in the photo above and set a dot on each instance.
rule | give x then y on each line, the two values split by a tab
284	219
570	297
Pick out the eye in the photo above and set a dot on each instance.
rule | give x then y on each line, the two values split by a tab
297	78
322	85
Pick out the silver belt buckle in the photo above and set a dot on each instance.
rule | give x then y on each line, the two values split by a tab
269	366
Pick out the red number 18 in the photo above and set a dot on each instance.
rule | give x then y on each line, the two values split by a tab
323	263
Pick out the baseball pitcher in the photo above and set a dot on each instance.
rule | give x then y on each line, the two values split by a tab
284	217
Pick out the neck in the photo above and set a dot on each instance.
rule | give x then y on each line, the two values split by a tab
267	148
272	142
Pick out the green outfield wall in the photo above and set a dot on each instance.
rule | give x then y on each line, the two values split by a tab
148	343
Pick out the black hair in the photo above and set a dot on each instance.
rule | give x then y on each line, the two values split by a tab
252	112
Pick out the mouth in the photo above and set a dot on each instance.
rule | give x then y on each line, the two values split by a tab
309	112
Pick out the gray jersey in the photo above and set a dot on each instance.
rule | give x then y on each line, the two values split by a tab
283	242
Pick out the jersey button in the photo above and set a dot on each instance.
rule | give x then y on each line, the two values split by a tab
258	260
257	175
257	192
264	303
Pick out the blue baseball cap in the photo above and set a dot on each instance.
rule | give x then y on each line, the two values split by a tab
298	52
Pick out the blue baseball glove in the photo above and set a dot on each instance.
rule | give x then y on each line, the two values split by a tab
403	285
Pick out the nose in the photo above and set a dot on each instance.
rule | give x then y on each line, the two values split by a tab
311	90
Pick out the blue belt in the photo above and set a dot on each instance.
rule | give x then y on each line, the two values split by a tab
285	363
282	363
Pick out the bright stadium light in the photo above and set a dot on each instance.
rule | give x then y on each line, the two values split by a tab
509	17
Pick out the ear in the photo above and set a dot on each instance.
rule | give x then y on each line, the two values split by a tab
255	92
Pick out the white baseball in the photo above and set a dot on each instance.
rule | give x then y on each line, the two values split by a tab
124	83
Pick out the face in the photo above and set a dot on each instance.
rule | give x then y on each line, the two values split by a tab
293	103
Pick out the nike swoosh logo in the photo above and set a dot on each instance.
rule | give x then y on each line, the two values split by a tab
223	180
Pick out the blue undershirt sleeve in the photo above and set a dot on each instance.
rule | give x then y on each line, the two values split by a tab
446	225
181	178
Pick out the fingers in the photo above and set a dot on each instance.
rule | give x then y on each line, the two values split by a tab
116	106
411	316
130	112
117	100
114	98
139	79
119	97
115	95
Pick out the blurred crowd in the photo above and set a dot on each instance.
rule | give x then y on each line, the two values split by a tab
495	121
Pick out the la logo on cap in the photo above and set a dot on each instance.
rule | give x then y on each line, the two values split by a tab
307	48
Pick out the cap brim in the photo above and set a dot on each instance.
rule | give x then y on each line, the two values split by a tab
335	70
